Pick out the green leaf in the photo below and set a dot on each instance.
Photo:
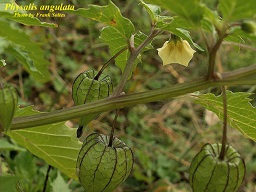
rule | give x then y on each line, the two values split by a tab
55	143
186	35
174	27
153	10
233	10
8	13
170	24
8	183
21	55
190	10
116	43
139	38
240	36
59	184
210	20
109	15
6	145
25	165
241	114
34	51
3	44
30	21
117	32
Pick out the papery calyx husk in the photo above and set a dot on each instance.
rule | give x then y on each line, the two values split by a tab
101	167
209	173
87	89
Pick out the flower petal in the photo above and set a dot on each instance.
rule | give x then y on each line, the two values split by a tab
176	52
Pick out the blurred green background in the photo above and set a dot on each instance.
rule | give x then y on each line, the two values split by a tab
164	136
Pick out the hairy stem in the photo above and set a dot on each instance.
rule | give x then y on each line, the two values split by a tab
120	101
225	117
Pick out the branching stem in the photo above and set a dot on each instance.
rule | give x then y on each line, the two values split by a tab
134	52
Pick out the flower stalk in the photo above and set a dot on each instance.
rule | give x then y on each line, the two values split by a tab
225	119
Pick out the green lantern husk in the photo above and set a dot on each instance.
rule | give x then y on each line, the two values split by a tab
209	173
101	167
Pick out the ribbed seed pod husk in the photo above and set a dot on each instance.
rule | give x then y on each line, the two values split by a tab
87	89
8	104
100	167
210	174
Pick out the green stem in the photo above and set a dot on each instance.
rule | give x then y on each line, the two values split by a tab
108	62
130	62
1	85
212	58
225	117
245	73
120	101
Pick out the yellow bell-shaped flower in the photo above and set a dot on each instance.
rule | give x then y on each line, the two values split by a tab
176	50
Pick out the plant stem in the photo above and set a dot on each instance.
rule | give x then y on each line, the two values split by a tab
244	73
111	137
225	115
1	85
120	101
134	52
108	62
46	177
212	57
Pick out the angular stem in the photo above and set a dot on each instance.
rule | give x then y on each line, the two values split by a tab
121	101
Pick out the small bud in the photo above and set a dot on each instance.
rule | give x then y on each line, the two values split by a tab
249	26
